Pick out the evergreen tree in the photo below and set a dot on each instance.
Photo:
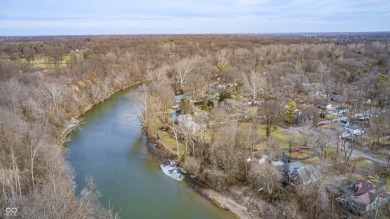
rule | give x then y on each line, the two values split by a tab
290	113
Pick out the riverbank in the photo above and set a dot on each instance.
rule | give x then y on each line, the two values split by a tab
62	138
227	203
222	201
161	153
111	148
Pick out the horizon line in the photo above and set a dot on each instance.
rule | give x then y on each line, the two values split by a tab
196	34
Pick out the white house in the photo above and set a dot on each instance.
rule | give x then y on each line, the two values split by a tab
186	121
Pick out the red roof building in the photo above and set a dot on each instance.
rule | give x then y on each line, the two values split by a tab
361	197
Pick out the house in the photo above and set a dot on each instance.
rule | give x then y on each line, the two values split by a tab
354	130
341	110
322	94
298	173
351	132
336	98
186	122
322	105
179	98
332	112
361	197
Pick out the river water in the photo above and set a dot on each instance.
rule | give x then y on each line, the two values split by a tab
110	147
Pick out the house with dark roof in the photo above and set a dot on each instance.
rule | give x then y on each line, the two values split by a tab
361	197
297	173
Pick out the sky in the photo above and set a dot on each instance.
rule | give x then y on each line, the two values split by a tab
91	17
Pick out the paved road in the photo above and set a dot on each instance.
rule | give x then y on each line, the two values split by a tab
357	153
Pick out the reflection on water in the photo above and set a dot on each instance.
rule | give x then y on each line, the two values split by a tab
114	152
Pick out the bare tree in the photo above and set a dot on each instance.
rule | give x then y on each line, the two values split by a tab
348	147
54	92
183	69
89	205
323	70
321	140
223	62
35	140
265	175
315	199
195	84
186	127
272	147
379	126
141	103
271	112
165	98
175	130
159	76
254	83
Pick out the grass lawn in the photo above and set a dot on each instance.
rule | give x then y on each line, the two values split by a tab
376	181
382	150
313	161
45	63
281	136
362	164
277	132
387	184
170	142
299	155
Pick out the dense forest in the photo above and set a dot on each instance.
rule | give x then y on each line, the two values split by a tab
218	105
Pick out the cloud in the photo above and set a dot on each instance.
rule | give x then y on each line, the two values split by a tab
200	16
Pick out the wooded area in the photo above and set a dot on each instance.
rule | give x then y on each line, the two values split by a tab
220	103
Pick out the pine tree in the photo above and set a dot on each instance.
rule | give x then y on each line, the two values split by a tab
290	113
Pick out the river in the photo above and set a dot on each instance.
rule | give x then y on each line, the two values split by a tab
111	148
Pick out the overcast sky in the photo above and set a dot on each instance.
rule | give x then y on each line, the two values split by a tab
76	17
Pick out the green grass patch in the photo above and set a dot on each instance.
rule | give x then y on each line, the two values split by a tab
382	151
387	184
46	62
299	155
170	142
313	161
276	132
377	182
361	164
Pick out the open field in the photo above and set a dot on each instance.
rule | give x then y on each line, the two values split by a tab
46	62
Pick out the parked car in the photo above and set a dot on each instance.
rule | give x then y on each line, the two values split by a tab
363	118
321	106
322	123
344	123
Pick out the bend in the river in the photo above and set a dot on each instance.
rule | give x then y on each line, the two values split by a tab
111	149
